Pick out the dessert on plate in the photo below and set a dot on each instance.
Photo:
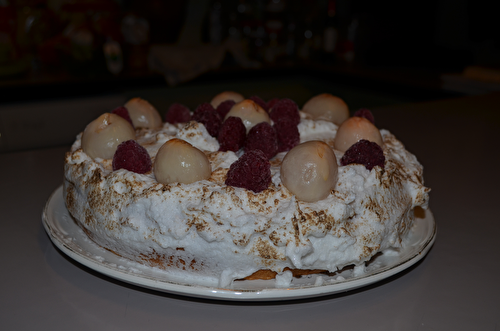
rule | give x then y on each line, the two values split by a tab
242	188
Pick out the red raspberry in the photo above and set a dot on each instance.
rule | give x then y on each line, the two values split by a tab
285	108
232	134
224	107
262	136
287	133
123	112
131	156
208	116
270	104
251	171
177	113
364	152
366	113
260	102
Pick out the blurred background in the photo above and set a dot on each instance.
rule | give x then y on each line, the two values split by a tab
64	62
69	47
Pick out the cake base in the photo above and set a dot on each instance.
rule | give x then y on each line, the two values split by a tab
73	242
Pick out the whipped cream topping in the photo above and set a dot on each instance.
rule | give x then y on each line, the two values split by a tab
227	233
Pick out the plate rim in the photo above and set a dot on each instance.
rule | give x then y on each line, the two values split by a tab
211	292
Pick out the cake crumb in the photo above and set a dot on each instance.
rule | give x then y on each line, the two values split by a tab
284	279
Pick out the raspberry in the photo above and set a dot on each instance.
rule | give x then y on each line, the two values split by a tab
232	134
287	133
366	113
208	116
177	113
285	108
123	112
364	152
251	171
224	107
262	136
270	104
131	156
260	102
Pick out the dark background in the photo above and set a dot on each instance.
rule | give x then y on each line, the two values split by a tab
407	45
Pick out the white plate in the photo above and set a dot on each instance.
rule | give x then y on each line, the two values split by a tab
70	239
